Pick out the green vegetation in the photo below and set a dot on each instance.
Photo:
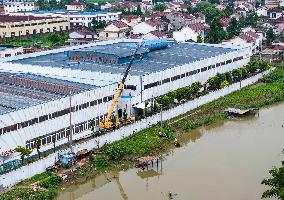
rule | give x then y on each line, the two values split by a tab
276	183
24	152
49	40
52	4
199	39
256	96
151	142
160	7
216	32
97	24
213	15
270	36
23	191
38	145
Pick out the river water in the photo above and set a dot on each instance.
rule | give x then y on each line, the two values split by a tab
224	161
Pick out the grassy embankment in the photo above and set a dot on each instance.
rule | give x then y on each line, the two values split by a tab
119	154
47	40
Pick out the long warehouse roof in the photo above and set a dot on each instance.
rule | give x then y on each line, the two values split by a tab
174	55
22	90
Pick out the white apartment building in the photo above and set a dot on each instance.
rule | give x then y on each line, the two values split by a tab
12	6
79	18
85	18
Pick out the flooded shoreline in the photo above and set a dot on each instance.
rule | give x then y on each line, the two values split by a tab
226	160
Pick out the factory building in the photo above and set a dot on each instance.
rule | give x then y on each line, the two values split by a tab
44	94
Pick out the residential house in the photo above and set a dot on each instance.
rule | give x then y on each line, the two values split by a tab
125	5
262	11
249	37
273	3
155	35
143	28
176	7
275	13
146	6
221	6
82	37
276	24
200	18
148	26
191	32
131	20
236	16
189	19
225	22
242	11
115	30
176	20
75	6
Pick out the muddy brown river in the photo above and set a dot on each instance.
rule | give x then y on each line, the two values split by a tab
224	161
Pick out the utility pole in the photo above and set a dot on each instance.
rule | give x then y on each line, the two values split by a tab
161	116
70	122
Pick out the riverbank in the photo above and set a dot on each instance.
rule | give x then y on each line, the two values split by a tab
121	154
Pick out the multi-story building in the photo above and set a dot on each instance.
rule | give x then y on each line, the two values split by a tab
79	18
85	18
23	26
12	6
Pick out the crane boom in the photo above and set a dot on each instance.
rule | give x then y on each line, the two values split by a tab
107	124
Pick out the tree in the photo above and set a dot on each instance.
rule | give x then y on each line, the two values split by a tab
233	29
160	7
181	94
199	39
214	1
164	100
214	82
209	10
38	145
97	24
229	9
229	77
125	114
236	74
23	152
270	36
244	72
195	87
216	33
56	39
92	124
275	182
138	11
251	67
90	7
43	4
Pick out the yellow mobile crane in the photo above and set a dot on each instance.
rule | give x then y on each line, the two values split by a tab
107	122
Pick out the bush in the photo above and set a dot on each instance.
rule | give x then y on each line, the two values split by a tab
225	84
51	182
168	132
115	152
236	75
101	162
